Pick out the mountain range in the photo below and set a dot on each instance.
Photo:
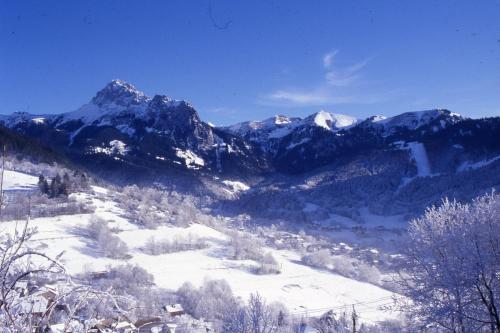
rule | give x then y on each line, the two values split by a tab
327	160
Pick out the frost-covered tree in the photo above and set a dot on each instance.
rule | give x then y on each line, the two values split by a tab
451	270
268	265
331	322
21	262
263	318
109	244
245	246
320	259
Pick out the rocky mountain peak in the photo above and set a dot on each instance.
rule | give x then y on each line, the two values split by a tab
120	93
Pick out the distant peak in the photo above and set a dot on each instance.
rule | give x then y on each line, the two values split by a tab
281	119
119	92
376	118
331	121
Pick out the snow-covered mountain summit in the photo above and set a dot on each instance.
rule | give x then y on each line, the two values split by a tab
330	121
120	100
121	93
152	132
268	133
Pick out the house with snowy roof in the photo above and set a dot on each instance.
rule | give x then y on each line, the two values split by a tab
174	310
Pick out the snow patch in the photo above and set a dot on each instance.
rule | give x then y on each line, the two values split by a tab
38	120
191	160
236	186
116	147
419	155
295	144
476	165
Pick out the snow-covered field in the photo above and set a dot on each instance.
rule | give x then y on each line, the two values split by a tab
304	290
13	180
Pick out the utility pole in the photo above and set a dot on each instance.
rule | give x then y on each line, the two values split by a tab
1	180
354	319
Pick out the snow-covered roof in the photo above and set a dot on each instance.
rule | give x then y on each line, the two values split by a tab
173	308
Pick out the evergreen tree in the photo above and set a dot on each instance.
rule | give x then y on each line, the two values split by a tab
43	185
55	186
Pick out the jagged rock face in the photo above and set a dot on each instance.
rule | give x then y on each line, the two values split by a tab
122	128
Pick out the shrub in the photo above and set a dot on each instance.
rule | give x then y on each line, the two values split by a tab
343	266
319	259
369	274
211	301
156	247
109	244
18	205
245	247
268	265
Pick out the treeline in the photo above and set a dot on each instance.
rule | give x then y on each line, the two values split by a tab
63	186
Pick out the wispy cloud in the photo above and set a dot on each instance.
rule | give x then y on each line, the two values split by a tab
345	77
328	59
320	97
340	85
299	97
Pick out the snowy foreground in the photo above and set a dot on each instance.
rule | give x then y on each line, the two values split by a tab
302	289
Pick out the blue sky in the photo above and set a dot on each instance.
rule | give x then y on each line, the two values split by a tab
240	60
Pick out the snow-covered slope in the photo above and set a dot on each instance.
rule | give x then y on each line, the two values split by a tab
13	180
304	290
330	121
440	118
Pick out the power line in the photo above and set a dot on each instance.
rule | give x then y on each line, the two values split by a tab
362	303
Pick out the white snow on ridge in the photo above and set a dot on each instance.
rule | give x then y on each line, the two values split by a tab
332	121
38	120
277	127
413	120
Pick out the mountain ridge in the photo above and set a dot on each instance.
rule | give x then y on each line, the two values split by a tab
123	134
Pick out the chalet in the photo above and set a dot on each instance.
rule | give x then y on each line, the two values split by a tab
154	325
38	303
98	275
113	326
125	327
74	327
174	310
